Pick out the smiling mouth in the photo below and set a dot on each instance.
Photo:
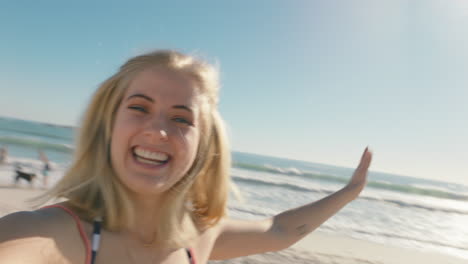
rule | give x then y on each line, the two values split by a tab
150	158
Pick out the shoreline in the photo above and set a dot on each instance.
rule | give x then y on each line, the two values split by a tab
318	247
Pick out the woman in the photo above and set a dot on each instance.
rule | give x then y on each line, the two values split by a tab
3	155
45	169
149	180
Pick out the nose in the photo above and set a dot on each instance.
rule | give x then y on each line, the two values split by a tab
164	135
157	131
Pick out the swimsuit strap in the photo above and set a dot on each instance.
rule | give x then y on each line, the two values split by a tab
96	238
190	255
80	229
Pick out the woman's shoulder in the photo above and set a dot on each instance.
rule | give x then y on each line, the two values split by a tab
41	232
40	222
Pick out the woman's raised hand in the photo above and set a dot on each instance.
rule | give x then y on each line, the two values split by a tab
359	179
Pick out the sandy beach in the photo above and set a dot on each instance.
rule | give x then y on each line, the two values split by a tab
316	248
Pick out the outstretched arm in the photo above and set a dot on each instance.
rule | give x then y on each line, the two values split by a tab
241	238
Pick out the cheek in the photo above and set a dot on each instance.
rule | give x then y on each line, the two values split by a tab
196	142
115	151
119	134
189	140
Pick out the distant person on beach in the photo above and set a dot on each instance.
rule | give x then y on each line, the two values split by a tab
150	179
3	155
45	169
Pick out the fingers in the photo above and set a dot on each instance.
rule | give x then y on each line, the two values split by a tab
365	151
365	159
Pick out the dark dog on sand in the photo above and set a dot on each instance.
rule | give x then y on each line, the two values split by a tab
24	175
27	176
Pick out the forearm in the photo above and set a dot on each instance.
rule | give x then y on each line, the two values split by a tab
240	238
292	225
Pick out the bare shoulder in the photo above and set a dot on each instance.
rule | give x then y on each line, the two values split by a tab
36	223
203	245
36	232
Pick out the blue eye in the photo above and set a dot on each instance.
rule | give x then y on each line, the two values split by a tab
138	108
182	120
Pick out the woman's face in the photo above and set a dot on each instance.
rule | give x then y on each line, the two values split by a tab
156	131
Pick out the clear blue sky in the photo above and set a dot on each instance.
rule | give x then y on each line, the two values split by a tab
308	80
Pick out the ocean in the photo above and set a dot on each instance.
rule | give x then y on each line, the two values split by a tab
394	210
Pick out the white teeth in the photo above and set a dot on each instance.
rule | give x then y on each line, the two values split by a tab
152	162
155	156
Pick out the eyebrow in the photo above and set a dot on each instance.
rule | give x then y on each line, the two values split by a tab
141	96
184	107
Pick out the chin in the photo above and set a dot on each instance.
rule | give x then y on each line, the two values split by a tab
147	185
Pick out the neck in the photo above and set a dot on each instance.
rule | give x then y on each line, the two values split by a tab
146	215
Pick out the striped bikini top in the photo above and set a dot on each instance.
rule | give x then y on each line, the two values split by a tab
93	247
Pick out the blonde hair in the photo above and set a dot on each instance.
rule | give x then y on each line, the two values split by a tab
196	202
